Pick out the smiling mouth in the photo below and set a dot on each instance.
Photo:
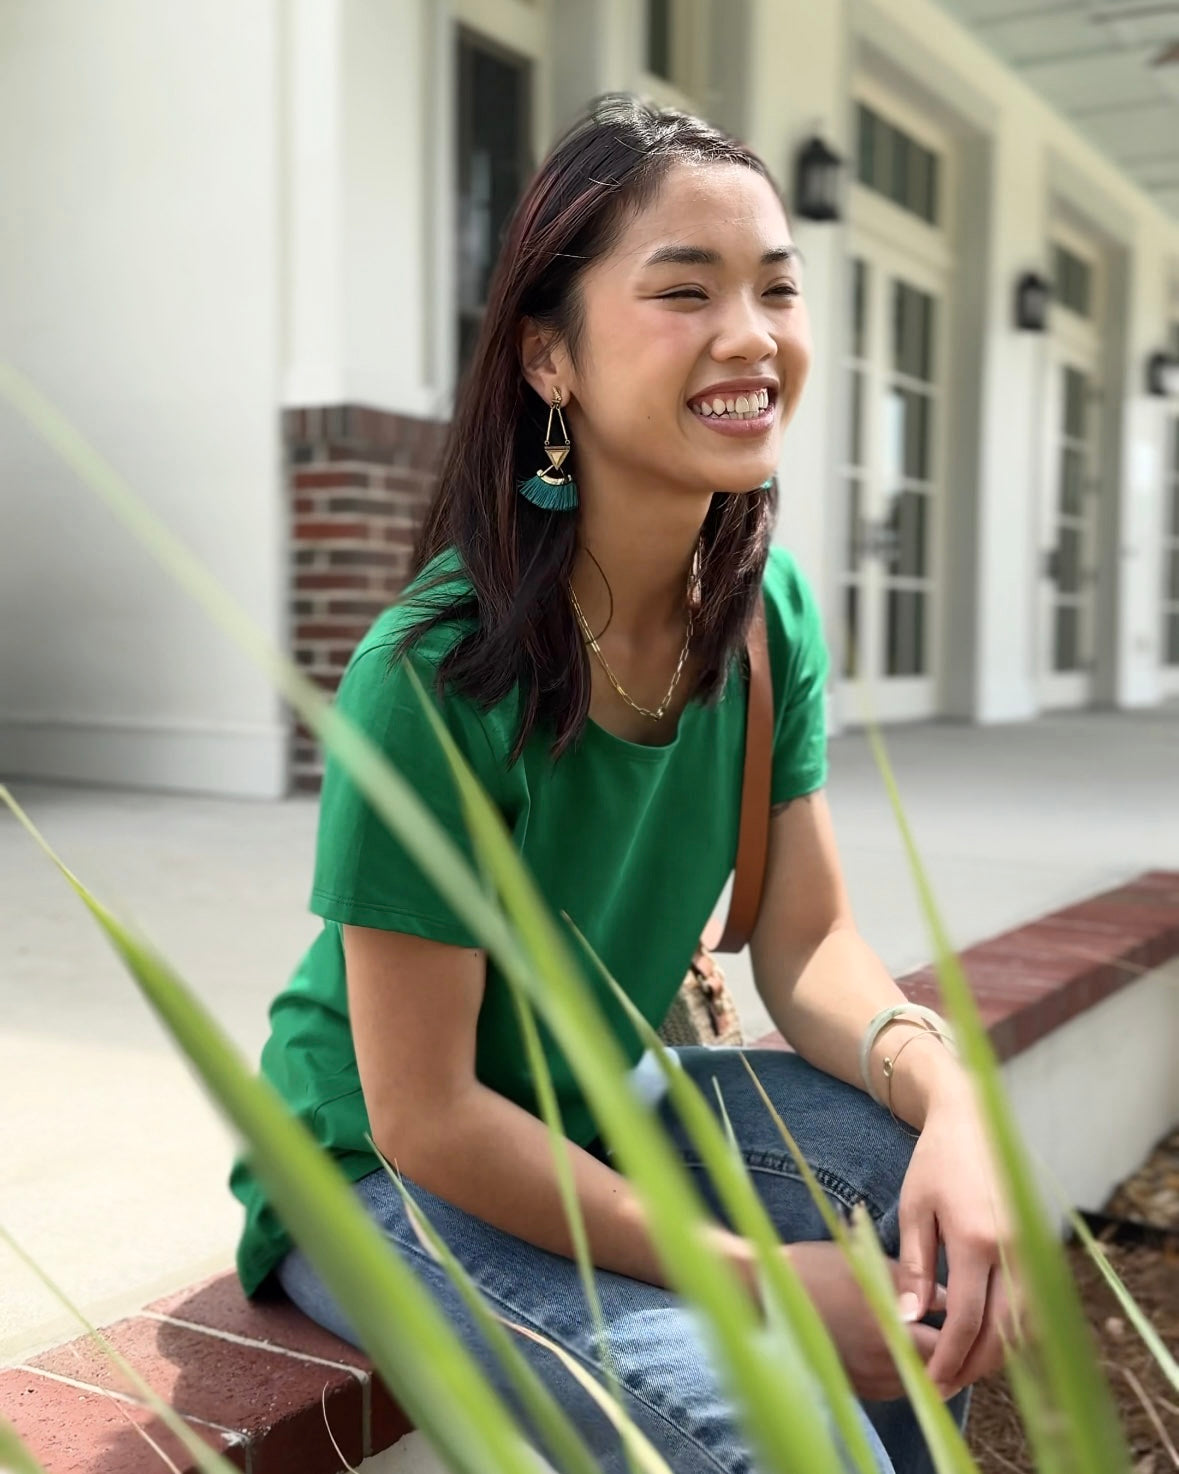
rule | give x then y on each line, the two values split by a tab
750	405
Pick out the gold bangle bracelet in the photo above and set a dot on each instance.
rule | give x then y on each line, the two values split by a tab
927	1031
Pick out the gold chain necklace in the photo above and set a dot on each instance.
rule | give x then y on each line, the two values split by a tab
661	711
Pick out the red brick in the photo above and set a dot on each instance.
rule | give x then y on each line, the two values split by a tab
276	1400
329	477
322	530
334	582
72	1431
334	630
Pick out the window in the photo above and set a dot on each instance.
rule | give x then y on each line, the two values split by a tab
491	170
895	165
1072	281
1171	549
659	39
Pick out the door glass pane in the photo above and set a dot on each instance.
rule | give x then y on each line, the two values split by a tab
907	522
851	630
1175	461
856	451
1173	577
854	513
915	407
859	307
866	150
659	38
906	632
912	332
1074	403
1171	642
1066	655
1068	562
1072	476
902	147
492	168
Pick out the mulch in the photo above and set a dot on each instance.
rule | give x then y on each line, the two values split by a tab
1146	1401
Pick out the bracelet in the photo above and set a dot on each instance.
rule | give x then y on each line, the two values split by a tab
876	1026
890	1065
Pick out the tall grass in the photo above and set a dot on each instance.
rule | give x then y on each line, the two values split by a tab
781	1369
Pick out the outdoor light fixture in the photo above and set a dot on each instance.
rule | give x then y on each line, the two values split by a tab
816	190
1162	375
1032	295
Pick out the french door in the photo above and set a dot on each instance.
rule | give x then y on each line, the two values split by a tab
894	486
1169	648
1069	519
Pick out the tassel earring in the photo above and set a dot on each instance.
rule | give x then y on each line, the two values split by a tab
551	489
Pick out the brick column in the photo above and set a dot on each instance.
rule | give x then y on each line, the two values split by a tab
359	481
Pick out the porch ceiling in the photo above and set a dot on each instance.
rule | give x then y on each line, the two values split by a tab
1111	66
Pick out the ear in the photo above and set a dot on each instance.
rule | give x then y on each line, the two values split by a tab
544	362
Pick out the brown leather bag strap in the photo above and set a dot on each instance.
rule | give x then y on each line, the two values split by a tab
753	835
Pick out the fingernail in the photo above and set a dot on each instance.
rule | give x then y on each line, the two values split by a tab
909	1306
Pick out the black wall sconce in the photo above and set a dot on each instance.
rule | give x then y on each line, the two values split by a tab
1032	295
1162	376
817	182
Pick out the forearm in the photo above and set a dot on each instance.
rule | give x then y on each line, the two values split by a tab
493	1159
826	1009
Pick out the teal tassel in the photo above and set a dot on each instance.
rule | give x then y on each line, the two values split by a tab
549	498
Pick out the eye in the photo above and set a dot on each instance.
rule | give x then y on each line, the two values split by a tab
784	289
693	294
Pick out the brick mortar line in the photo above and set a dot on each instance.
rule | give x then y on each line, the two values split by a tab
239	1340
238	1435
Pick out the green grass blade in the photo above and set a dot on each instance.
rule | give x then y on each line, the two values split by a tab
1134	1312
784	1423
668	1196
1080	1397
946	1445
565	1443
208	1459
550	1111
786	1297
408	1338
14	1456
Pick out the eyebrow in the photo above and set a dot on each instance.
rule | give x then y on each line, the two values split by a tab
697	256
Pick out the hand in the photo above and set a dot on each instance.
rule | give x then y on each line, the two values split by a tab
832	1286
951	1192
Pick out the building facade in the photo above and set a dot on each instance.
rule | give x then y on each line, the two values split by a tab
255	248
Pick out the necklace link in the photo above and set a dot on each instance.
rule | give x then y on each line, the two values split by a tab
591	640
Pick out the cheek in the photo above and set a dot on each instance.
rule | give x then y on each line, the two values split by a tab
795	353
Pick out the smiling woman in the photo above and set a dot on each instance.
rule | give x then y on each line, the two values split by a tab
646	332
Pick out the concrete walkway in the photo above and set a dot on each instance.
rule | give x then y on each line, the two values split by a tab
113	1165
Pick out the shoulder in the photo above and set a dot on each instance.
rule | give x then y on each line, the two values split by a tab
441	587
793	617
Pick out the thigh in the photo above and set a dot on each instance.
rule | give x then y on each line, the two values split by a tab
856	1150
658	1350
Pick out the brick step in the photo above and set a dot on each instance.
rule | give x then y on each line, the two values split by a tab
264	1385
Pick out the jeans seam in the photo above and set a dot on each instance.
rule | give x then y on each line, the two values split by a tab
570	1351
775	1165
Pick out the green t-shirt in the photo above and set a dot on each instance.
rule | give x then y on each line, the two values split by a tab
634	842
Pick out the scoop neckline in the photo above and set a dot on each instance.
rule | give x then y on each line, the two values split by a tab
643	751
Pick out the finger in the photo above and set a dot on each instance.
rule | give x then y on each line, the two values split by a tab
916	1277
988	1352
924	1338
966	1300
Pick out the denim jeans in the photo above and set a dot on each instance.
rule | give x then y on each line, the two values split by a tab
660	1352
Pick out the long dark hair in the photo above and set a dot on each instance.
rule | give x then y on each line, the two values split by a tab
517	557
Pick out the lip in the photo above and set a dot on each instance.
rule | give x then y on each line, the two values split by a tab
742	429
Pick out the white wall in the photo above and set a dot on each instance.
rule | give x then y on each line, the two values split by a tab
359	223
138	290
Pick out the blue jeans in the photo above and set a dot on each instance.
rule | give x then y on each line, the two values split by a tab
857	1152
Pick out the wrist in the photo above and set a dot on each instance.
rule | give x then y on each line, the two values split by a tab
918	1070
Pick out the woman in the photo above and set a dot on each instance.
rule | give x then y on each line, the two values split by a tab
583	630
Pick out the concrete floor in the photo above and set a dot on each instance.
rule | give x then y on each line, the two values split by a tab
112	1170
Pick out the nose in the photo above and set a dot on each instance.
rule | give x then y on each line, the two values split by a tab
744	332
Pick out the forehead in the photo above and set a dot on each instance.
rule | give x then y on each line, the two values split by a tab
725	208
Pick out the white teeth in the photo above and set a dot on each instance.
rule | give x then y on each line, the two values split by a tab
740	407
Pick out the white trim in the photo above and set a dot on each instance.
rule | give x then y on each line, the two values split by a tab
518	25
234	759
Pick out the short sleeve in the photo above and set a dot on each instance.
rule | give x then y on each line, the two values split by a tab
798	656
363	875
